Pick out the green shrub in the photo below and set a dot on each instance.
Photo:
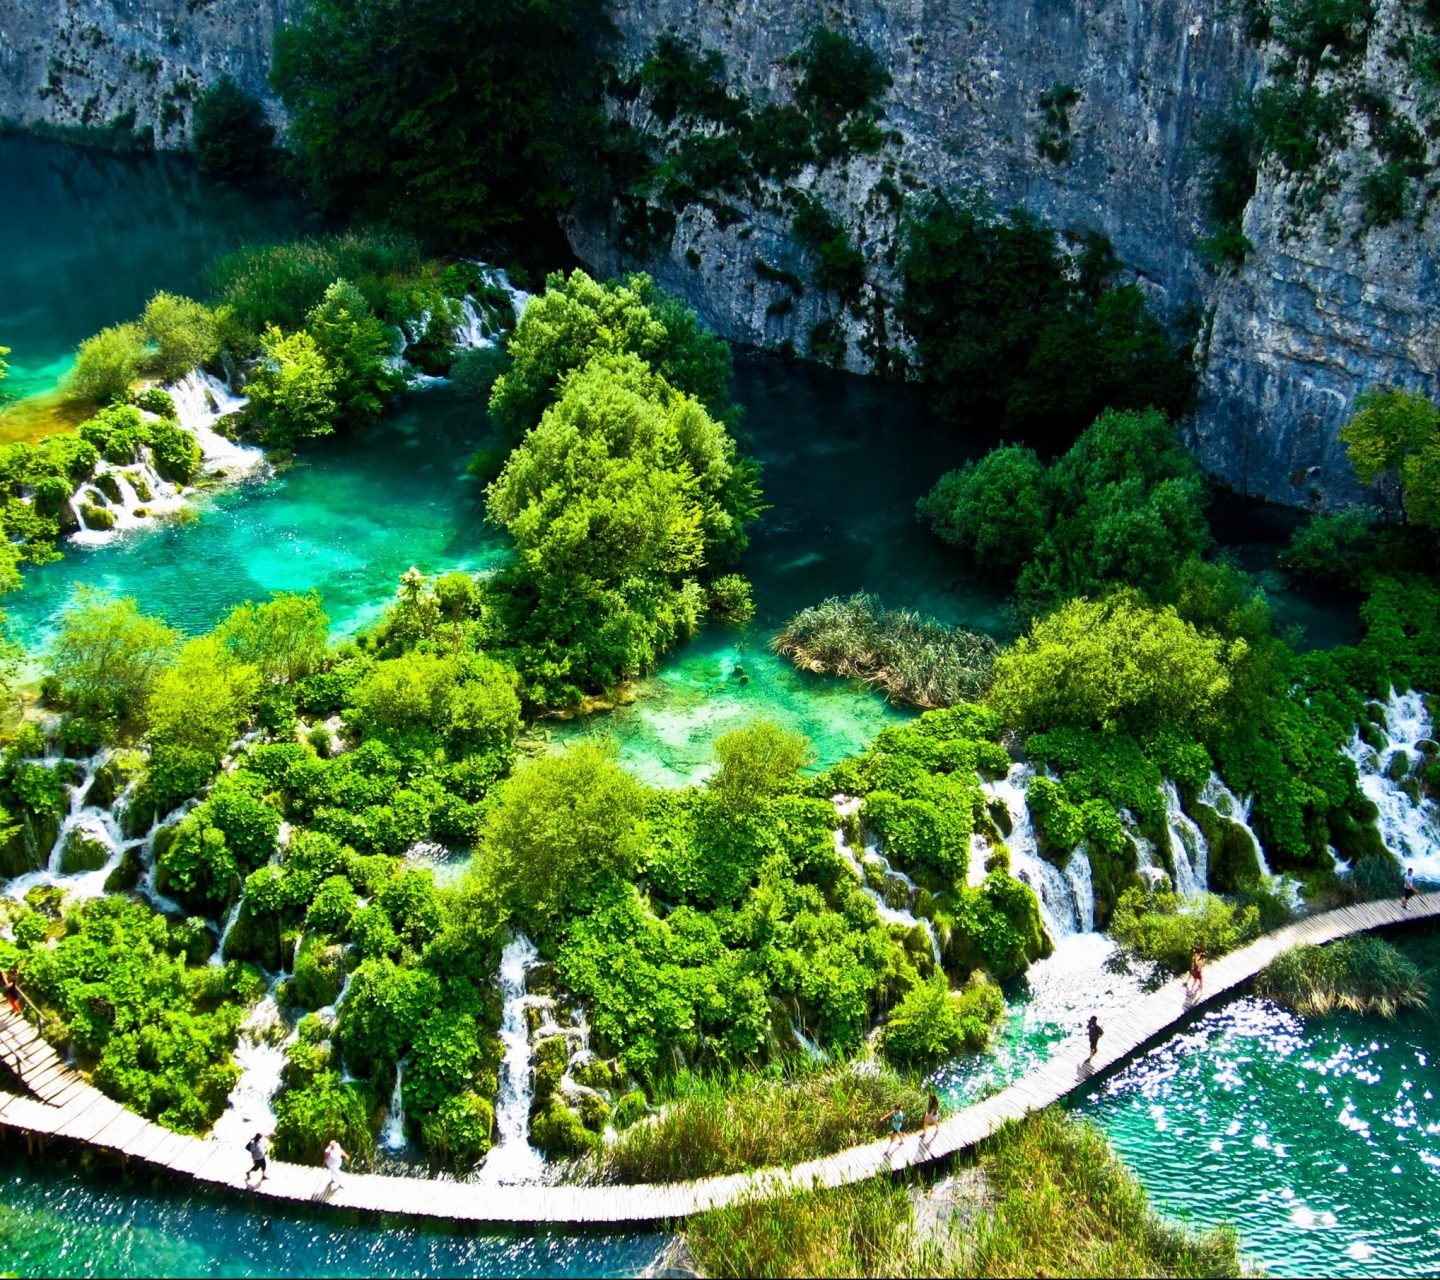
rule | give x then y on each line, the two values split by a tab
293	390
308	1119
108	364
459	1132
1160	927
1361	974
931	1024
184	331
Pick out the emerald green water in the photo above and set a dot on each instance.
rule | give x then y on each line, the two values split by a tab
88	237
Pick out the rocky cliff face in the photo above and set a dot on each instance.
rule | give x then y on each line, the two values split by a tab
1323	306
105	65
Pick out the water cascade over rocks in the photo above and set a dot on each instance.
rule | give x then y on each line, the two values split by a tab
201	401
1228	805
1409	822
513	1159
892	891
392	1136
260	1055
1188	846
1055	889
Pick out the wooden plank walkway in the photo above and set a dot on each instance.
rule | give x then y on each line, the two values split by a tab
64	1104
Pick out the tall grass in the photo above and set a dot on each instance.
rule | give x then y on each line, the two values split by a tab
1363	975
713	1126
280	283
1058	1203
913	659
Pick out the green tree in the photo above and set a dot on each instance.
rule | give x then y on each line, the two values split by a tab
107	365
293	392
468	701
1397	430
559	824
185	331
355	344
232	138
577	319
1115	663
107	656
466	117
757	760
618	501
996	509
285	639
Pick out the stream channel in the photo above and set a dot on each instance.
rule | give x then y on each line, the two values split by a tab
1319	1139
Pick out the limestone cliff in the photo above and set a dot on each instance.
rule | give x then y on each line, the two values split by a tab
108	64
1330	298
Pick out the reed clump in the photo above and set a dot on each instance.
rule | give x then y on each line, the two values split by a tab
912	659
1057	1202
715	1125
1362	975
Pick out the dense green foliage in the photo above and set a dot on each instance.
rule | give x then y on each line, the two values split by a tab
1123	505
619	502
1008	326
231	136
1153	927
155	1024
473	120
1396	431
1361	974
913	659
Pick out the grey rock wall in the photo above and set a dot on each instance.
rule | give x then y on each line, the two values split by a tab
1321	309
87	63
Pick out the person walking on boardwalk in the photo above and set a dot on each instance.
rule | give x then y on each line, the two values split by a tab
932	1117
1197	970
1094	1031
256	1148
335	1155
12	990
896	1117
1410	890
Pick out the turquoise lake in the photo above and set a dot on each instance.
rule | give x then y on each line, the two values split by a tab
844	460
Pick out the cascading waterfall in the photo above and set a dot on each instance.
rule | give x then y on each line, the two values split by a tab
1228	805
201	400
1082	887
1148	862
392	1136
1410	826
260	1055
513	1159
899	888
1187	846
217	957
1052	888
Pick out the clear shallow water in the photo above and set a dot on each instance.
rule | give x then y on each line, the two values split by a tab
1318	1139
58	1220
89	237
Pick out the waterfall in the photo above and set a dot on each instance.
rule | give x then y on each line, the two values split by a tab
83	821
903	886
392	1136
1149	868
260	1055
129	510
1410	828
513	1159
1082	887
217	957
1051	887
1228	805
1187	846
201	400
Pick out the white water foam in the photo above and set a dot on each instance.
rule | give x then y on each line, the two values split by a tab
392	1136
1187	846
513	1159
1051	886
260	1055
1411	831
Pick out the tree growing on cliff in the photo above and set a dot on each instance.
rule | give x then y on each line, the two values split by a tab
232	136
1397	430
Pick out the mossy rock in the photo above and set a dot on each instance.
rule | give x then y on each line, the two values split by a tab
595	1074
126	874
82	852
594	1111
1234	860
107	783
255	936
109	486
1000	816
97	518
1372	736
558	1131
137	815
319	974
29	844
550	1058
140	485
630	1108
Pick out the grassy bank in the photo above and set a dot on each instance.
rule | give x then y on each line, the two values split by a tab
713	1126
1362	975
1058	1202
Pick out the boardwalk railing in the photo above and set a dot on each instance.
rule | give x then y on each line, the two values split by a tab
64	1104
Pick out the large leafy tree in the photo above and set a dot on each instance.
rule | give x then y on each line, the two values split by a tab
1396	430
458	115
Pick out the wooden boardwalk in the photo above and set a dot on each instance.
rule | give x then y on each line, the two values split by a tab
63	1104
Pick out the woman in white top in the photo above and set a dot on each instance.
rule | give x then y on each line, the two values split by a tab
335	1154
